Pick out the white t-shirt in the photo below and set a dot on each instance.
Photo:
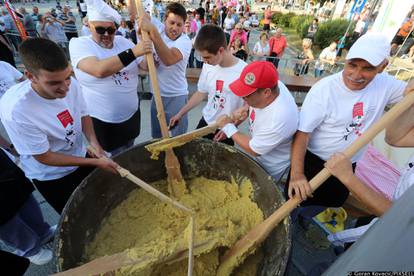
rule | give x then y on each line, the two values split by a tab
229	24
36	125
328	54
215	81
8	77
272	129
406	179
335	115
172	79
113	99
260	50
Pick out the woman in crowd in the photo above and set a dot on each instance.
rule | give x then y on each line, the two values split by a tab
262	48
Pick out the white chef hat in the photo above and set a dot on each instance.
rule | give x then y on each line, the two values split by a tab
98	10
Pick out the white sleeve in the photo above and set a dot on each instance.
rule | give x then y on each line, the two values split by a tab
323	54
13	71
202	80
395	89
184	45
313	110
78	51
27	138
80	99
267	139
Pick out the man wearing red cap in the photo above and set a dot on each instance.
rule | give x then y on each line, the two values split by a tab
273	117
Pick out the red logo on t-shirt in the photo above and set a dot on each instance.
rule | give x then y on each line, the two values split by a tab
219	86
252	116
358	110
65	118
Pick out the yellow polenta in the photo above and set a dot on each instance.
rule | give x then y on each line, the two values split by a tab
154	229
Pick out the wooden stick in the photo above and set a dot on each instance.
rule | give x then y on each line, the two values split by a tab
247	244
175	179
168	143
113	262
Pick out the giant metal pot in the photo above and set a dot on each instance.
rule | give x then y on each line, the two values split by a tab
101	192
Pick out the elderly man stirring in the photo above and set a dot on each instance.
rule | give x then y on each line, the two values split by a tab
107	69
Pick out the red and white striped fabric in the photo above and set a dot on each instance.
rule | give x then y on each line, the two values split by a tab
378	172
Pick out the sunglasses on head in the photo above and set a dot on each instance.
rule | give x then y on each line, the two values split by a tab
102	30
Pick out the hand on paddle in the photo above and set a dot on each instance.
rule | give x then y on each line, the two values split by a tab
340	166
174	120
299	186
101	159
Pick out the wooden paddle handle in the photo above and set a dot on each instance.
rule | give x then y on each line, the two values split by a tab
127	174
153	78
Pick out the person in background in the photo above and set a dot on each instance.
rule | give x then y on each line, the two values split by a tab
6	49
326	58
69	21
238	33
85	31
277	45
123	29
267	18
35	15
305	57
402	34
52	28
261	48
28	22
313	28
238	49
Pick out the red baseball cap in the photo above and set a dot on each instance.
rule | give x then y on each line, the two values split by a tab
258	74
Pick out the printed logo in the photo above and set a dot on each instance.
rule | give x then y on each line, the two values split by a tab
120	77
65	118
219	100
357	118
249	78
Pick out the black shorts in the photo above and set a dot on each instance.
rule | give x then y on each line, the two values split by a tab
398	40
58	191
210	136
266	27
114	135
332	193
15	188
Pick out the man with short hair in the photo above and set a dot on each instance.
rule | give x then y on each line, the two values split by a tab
173	48
35	15
28	22
106	67
336	111
219	70
49	137
273	117
277	45
69	19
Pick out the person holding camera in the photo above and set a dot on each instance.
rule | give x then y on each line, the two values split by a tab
52	28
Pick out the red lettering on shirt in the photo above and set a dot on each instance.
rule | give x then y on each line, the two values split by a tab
65	118
252	116
358	110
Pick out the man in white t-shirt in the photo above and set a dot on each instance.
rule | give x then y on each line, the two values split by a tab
273	117
229	22
336	111
106	67
399	134
45	117
173	48
220	69
9	76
